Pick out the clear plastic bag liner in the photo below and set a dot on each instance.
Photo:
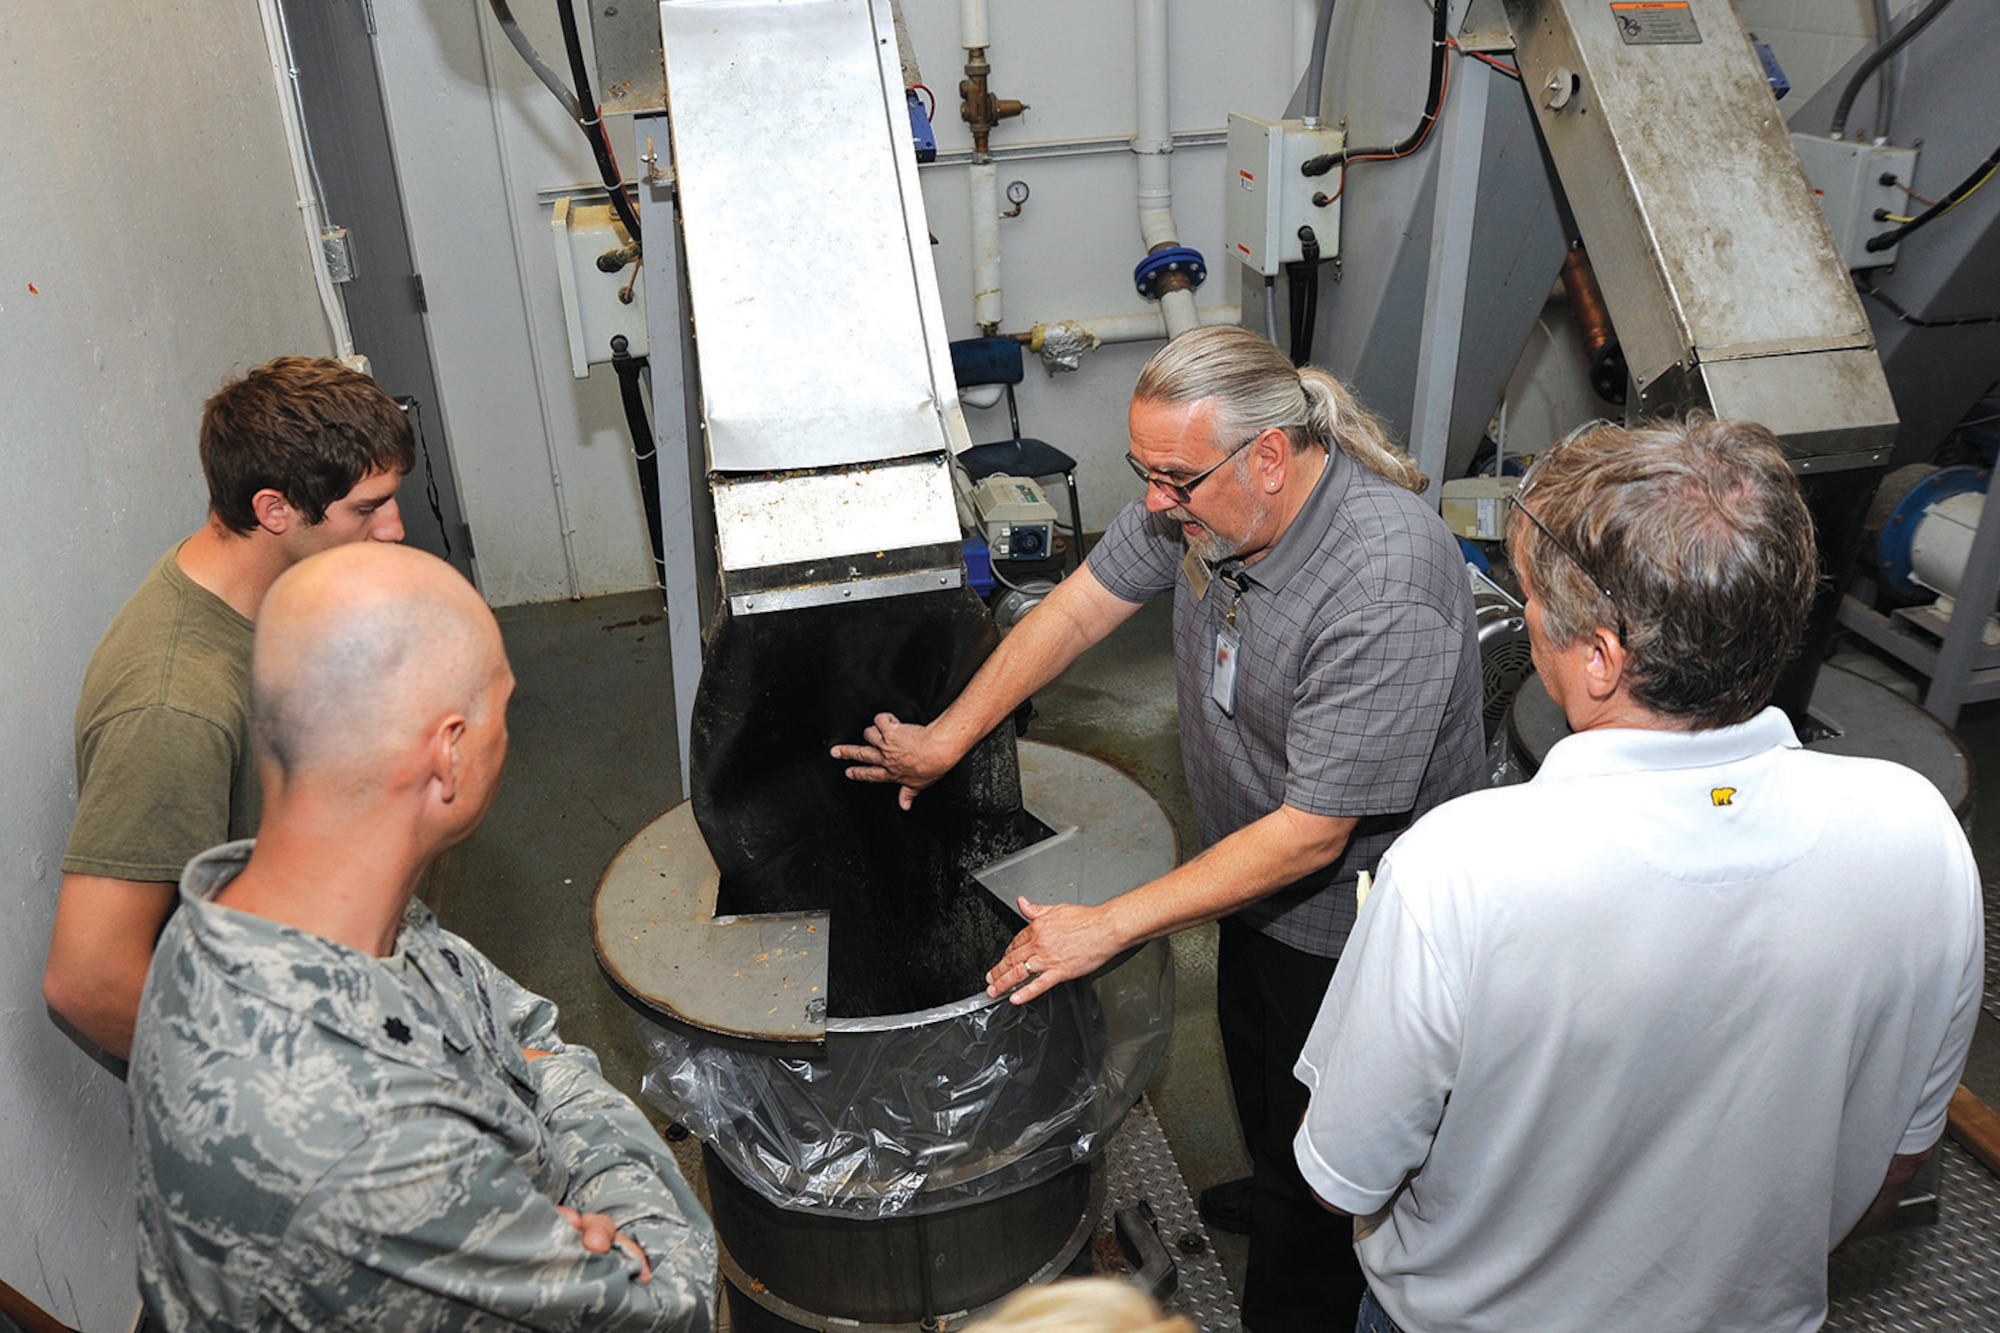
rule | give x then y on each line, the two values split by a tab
972	1099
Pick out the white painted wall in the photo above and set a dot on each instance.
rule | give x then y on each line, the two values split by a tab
148	246
476	138
1071	252
1813	39
535	450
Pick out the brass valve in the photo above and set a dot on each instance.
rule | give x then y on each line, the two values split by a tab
978	107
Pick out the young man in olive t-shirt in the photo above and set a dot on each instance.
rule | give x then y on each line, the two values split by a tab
301	454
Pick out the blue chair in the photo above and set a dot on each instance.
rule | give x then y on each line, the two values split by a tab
981	361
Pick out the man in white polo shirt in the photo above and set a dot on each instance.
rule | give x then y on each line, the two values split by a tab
1633	1046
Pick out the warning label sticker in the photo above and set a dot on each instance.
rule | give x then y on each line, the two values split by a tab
1655	22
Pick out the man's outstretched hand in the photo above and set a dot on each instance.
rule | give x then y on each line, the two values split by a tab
1062	941
900	752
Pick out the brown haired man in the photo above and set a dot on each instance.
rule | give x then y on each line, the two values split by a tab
1634	1045
301	454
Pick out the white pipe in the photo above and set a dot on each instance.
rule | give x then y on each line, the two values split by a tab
1179	312
530	314
1154	145
1154	141
278	40
972	24
983	184
1146	325
983	180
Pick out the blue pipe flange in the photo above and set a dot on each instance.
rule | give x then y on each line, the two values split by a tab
1899	530
1180	259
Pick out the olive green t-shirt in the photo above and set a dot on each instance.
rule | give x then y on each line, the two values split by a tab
163	762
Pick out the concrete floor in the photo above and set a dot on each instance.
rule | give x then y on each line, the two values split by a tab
592	762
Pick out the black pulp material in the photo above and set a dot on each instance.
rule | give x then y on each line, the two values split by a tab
1838	502
909	927
644	452
901	1269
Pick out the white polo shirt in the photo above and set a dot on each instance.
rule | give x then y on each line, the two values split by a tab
1631	1046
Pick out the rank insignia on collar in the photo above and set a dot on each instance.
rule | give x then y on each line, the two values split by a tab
398	1030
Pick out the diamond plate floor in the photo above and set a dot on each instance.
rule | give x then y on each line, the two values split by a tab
1945	1276
1140	1167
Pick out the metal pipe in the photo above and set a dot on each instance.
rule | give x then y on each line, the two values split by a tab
1316	67
1885	84
1586	302
1305	19
1023	152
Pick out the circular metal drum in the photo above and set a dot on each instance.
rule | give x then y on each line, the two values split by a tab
792	1269
902	1169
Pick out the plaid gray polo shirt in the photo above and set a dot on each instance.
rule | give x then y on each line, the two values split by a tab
1357	681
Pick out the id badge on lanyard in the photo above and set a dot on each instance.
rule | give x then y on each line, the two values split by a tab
1228	640
1222	679
1228	647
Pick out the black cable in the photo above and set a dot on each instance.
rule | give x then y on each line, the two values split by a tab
593	122
414	410
1433	103
1965	187
644	452
535	62
1874	61
1303	289
1896	309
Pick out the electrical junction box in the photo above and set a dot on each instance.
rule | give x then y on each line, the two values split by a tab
599	302
1016	518
1476	507
1847	176
1266	198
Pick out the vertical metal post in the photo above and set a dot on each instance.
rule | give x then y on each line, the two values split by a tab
1951	675
676	421
1463	136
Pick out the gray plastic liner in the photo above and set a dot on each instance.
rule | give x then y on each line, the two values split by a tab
914	1113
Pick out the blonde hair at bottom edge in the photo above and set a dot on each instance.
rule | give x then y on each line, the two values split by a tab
1100	1304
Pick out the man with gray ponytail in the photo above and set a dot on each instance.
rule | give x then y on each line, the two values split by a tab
1329	691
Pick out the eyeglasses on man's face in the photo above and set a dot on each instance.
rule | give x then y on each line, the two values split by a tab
1182	492
1575	559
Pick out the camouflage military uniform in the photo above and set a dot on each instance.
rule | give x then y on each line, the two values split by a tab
330	1140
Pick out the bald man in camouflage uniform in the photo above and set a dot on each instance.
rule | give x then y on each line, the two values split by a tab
345	1116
